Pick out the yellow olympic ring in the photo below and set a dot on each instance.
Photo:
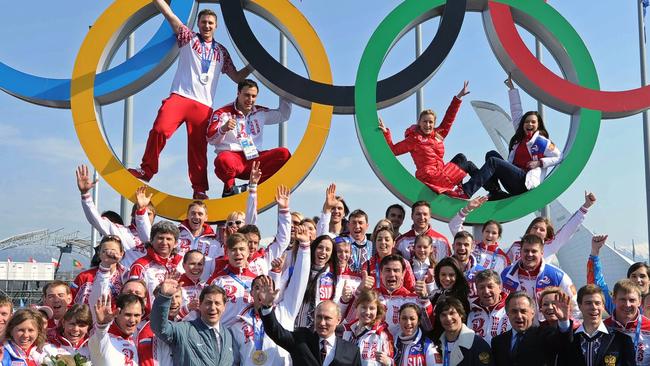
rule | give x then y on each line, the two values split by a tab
87	125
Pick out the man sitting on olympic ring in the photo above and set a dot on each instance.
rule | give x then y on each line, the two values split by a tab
201	60
236	130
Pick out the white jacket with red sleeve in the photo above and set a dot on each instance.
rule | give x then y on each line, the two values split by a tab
250	125
109	346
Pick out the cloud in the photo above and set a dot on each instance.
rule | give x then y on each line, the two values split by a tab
50	149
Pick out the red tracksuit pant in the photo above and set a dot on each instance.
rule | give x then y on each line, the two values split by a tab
233	164
174	111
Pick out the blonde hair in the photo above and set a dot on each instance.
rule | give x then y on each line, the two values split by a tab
234	215
427	111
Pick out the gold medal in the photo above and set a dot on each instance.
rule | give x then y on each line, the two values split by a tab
259	357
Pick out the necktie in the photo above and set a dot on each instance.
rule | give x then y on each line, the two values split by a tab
323	350
519	337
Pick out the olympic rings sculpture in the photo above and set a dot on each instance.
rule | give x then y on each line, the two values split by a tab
577	94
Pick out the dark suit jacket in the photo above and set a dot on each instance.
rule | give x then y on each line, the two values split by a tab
303	346
538	348
617	347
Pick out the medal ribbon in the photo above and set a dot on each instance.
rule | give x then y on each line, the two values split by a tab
234	277
207	55
258	335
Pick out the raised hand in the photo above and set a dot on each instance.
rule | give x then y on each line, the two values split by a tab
382	126
330	198
229	126
475	203
282	195
109	257
103	310
278	263
84	182
302	234
169	287
597	242
464	91
421	289
265	293
508	82
590	199
256	173
346	296
142	198
367	282
534	164
562	306
382	358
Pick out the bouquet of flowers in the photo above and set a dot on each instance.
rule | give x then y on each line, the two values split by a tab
66	360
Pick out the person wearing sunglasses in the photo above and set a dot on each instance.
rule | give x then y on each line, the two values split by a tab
259	260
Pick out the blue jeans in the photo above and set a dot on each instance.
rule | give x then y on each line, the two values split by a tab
496	170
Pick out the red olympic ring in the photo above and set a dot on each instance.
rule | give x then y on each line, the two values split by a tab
613	104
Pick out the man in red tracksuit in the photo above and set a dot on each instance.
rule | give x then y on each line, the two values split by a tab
200	62
236	130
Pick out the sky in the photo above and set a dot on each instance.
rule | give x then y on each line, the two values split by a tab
39	149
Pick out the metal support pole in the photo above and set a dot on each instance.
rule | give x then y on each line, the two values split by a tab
546	210
127	134
93	231
644	114
282	132
419	95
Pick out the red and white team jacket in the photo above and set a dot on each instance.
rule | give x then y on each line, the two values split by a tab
190	291
152	269
82	284
488	322
487	256
207	243
153	351
260	261
110	346
250	125
406	242
642	341
132	236
562	237
59	345
373	270
237	285
370	341
392	302
249	322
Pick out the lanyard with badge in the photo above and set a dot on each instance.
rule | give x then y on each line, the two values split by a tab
207	55
446	354
637	334
259	355
246	142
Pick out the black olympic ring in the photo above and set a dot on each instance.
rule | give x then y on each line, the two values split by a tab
303	91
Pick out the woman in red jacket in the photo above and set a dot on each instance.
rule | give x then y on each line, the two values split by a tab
425	142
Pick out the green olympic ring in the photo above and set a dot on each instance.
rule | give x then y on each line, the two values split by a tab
404	185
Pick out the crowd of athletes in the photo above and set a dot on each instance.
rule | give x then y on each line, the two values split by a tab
163	293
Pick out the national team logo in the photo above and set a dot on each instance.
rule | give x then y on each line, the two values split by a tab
185	244
231	292
477	326
248	332
544	281
128	356
326	287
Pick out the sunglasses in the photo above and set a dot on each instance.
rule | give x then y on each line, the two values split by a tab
110	238
233	223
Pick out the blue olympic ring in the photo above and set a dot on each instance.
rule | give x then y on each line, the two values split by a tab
112	85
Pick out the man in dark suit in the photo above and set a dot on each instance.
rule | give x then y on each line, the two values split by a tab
594	344
526	344
307	347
